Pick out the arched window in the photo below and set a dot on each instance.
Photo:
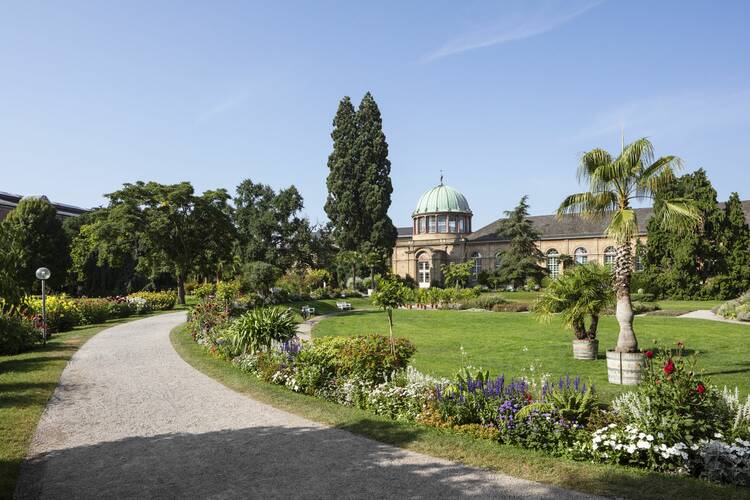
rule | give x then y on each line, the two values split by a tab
477	258
553	263
609	256
423	270
581	255
498	259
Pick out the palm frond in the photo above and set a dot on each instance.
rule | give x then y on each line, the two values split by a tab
590	161
623	226
638	152
588	204
681	214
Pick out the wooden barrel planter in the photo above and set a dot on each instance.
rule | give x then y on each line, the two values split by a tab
585	349
625	368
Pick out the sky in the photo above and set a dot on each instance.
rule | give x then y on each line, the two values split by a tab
503	96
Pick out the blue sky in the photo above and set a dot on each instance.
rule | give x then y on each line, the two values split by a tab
502	96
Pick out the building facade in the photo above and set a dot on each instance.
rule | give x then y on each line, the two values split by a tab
9	201
442	233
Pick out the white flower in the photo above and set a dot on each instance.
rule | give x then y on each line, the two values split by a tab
660	435
597	439
649	437
630	449
594	446
612	426
644	445
718	435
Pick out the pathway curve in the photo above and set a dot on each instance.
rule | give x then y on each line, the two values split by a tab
131	419
709	315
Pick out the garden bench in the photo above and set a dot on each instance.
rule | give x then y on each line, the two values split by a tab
343	306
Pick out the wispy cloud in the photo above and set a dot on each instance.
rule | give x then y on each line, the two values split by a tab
675	113
224	106
515	26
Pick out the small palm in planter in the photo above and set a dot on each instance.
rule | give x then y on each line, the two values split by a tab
615	184
578	295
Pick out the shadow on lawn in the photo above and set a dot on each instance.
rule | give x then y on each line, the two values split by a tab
259	462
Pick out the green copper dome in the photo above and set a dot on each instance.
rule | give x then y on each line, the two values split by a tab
442	198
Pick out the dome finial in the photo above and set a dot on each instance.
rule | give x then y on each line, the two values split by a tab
441	176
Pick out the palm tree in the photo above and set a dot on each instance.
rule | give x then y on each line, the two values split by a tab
614	184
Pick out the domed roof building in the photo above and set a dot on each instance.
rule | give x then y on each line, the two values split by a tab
441	210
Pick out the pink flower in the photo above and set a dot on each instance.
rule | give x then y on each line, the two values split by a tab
701	388
649	354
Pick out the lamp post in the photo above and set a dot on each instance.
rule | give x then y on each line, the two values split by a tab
43	275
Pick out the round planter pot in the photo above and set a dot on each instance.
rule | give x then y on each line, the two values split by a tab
625	368
585	349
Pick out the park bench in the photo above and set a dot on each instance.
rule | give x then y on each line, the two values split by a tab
307	311
343	306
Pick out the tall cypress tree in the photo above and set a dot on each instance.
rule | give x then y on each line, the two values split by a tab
343	205
374	169
736	242
521	260
679	265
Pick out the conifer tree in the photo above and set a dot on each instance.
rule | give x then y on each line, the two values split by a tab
374	170
736	242
521	260
679	264
343	205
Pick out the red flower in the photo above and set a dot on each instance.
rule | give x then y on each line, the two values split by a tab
701	388
649	354
529	398
669	367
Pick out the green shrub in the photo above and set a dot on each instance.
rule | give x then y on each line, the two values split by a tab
642	297
204	290
119	307
366	358
488	302
510	307
256	330
62	312
93	310
17	334
738	308
153	301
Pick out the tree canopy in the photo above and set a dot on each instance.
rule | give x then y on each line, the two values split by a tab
520	261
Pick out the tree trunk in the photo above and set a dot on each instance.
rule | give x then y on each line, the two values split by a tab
579	329
593	327
354	276
180	289
390	329
626	341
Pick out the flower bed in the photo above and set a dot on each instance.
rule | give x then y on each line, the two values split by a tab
676	421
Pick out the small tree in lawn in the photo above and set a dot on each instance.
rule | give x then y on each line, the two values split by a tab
391	294
457	274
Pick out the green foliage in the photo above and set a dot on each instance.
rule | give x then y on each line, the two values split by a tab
371	359
359	184
62	312
520	261
391	294
227	292
736	243
256	330
738	308
457	275
580	293
17	333
572	404
204	291
156	301
680	264
35	238
259	277
270	227
93	311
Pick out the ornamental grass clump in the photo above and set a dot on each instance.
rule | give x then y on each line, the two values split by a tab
256	330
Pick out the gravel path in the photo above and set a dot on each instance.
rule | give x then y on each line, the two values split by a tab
705	314
131	419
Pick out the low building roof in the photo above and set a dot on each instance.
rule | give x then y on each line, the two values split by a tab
10	201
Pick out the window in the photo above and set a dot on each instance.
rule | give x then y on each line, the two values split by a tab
431	224
421	225
423	271
581	255
609	256
441	223
498	259
477	258
461	225
553	263
451	224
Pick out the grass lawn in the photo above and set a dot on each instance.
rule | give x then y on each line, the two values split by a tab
508	343
687	305
607	480
27	381
327	306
